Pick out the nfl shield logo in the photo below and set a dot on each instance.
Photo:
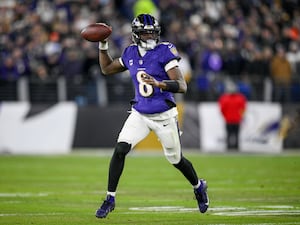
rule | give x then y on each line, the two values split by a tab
140	62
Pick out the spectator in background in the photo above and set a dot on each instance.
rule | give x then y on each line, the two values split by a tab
239	28
40	73
259	71
72	64
14	65
8	69
125	8
53	58
281	72
232	105
293	56
211	63
233	61
267	54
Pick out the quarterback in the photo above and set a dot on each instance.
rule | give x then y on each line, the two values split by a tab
153	67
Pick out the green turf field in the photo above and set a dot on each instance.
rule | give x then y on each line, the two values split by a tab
66	190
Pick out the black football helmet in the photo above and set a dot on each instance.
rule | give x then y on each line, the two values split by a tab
145	23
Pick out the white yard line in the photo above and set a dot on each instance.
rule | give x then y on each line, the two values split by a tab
23	194
267	210
259	213
30	214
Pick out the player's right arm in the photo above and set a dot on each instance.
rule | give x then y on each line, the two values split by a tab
108	65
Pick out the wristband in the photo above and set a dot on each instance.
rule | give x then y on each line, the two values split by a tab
103	45
172	85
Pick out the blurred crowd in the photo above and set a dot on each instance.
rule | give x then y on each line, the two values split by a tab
249	42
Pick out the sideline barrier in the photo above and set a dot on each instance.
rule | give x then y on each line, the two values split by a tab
258	132
23	131
60	128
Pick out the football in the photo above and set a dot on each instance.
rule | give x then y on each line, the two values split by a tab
96	32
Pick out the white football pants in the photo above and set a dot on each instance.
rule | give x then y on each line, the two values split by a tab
164	125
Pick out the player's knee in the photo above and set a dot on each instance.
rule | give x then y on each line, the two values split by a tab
121	149
173	158
171	145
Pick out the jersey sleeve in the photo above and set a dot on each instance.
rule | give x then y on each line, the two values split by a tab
169	53
124	57
173	63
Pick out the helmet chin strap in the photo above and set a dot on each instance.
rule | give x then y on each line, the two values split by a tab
149	44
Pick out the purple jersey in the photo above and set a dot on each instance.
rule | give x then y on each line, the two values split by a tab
149	99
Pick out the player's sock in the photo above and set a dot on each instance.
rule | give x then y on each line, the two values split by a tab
187	169
111	193
198	185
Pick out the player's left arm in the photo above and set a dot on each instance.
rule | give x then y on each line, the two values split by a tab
176	84
175	75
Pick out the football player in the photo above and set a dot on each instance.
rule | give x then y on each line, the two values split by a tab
154	70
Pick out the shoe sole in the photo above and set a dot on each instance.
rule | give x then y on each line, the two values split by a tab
101	217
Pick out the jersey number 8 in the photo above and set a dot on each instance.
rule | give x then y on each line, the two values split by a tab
146	90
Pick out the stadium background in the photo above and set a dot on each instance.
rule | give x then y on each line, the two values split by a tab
44	62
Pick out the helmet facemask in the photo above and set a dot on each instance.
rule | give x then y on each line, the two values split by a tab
143	24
